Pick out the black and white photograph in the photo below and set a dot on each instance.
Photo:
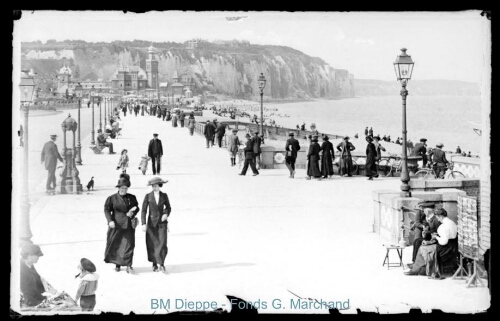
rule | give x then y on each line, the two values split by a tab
255	162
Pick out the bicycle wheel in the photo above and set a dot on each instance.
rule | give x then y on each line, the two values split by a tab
383	167
422	174
455	175
354	168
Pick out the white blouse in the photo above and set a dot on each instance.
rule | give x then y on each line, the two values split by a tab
447	230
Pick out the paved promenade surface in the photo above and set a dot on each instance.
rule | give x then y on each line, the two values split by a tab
257	238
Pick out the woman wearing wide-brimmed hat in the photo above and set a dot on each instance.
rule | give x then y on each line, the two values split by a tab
120	210
313	159
156	227
327	158
345	147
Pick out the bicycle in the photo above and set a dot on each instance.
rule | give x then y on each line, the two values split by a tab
393	164
424	173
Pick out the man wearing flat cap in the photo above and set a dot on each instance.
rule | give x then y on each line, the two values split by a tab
155	151
50	155
209	133
32	286
420	150
249	157
256	141
440	161
292	147
233	145
419	225
101	140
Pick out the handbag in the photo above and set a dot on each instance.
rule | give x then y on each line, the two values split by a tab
135	222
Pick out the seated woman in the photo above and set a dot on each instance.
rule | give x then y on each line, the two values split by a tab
442	248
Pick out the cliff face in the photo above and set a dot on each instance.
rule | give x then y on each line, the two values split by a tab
230	70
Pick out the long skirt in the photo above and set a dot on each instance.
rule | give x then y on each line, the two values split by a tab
120	245
345	165
313	167
174	122
371	167
326	165
156	242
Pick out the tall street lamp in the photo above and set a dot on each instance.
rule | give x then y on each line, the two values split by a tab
27	88
91	96
105	112
403	66
262	85
79	94
100	114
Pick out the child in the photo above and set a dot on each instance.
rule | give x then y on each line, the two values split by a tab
123	163
144	164
88	285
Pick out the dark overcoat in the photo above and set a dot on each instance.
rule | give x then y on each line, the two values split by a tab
50	155
313	157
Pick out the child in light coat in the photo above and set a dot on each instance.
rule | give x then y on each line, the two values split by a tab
88	285
123	162
144	164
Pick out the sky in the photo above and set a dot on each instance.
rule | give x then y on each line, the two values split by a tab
444	45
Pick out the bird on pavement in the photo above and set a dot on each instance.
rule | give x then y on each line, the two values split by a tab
91	184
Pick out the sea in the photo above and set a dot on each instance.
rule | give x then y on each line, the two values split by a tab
440	119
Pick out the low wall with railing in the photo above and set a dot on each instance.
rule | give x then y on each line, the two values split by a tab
469	166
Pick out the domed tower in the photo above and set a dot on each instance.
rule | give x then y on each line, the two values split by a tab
63	77
152	68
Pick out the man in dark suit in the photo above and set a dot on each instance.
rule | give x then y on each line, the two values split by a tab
419	225
182	116
101	140
249	157
292	147
420	150
155	151
209	132
439	159
256	141
220	131
50	155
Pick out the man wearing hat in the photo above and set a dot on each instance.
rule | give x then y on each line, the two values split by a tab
371	154
101	141
419	225
209	133
439	159
215	124
155	151
292	147
345	147
220	131
232	147
249	157
50	155
32	286
420	150
256	141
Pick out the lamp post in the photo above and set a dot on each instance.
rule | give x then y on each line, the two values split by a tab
105	111
79	94
27	88
403	66
91	96
262	85
100	114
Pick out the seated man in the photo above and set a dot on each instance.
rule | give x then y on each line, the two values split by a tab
101	141
442	248
109	131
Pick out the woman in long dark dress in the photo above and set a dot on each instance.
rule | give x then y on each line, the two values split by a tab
345	148
120	209
371	154
327	158
313	159
156	227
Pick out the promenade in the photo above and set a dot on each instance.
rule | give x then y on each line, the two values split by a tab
257	238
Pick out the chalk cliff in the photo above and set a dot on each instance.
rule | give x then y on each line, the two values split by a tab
230	68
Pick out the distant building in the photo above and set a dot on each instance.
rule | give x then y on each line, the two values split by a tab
129	78
65	85
152	69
